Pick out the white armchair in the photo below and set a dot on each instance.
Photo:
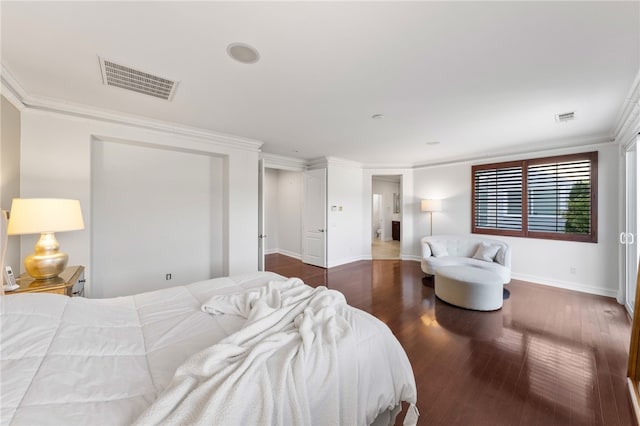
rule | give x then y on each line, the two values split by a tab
470	250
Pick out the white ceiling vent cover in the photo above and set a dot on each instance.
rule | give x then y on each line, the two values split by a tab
567	116
128	78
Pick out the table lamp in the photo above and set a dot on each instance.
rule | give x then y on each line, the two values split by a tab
44	216
431	206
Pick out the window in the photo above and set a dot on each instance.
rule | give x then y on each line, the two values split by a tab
553	197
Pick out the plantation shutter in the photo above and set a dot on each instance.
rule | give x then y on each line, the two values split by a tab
552	197
559	197
498	198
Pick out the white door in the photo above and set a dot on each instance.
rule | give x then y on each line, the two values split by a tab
314	213
629	236
261	227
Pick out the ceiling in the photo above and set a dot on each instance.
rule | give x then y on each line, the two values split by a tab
479	78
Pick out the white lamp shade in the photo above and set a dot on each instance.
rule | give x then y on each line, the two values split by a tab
36	215
431	205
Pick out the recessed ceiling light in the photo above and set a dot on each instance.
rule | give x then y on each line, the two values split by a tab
244	53
377	116
432	143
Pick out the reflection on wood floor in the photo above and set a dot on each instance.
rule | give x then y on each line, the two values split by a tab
548	357
385	249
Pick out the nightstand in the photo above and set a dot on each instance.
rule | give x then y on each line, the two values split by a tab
70	282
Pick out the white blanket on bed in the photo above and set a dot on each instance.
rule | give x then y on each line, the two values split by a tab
261	374
77	361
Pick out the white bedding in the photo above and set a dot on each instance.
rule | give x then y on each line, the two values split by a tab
105	361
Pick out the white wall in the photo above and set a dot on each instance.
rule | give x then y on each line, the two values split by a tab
10	173
346	230
56	162
290	186
451	184
155	212
283	210
536	260
387	189
271	210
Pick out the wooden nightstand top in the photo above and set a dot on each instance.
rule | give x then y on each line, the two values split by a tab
62	284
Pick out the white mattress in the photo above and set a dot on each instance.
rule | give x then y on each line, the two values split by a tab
103	361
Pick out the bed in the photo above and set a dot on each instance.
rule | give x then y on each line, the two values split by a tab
251	349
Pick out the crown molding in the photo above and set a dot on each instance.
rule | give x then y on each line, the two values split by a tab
11	85
11	91
317	163
520	150
379	166
341	162
333	161
523	149
281	162
628	120
593	142
388	178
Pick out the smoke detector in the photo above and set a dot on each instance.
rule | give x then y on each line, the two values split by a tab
128	78
564	117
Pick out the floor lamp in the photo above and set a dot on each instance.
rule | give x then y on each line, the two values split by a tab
431	206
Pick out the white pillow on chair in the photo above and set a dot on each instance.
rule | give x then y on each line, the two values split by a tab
438	249
486	252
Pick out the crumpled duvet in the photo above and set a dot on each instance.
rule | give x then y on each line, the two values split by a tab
296	345
78	361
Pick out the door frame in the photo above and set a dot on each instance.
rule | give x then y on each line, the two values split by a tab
629	235
261	216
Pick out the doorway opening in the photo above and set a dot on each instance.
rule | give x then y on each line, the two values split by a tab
282	212
386	216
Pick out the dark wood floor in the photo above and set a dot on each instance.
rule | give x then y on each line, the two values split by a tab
548	357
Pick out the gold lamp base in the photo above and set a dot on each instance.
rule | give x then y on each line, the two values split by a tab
46	262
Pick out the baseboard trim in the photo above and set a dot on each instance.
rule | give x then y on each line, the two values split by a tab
289	253
347	260
410	257
566	285
633	395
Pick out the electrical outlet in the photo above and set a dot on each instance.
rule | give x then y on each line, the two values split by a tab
572	270
167	277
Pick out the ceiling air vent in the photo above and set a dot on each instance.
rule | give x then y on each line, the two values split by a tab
128	78
567	116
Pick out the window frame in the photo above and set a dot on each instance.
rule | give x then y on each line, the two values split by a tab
524	232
